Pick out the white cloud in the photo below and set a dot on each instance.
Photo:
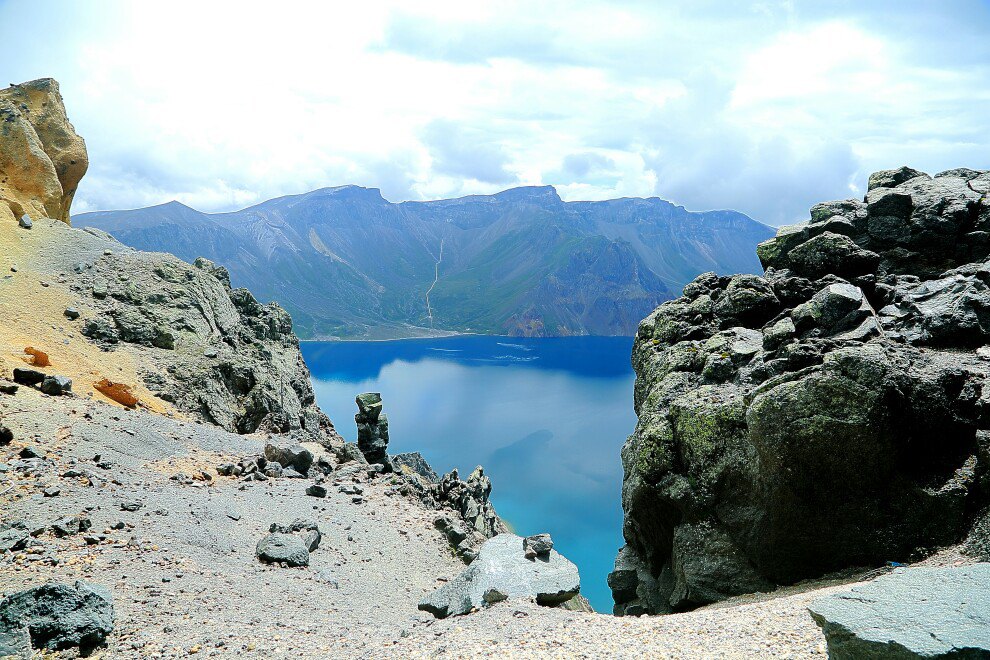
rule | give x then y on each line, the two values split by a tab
765	109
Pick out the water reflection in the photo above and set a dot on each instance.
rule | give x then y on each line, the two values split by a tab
545	417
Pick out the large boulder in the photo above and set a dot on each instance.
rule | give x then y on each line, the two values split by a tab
56	616
503	571
912	613
282	548
42	159
840	421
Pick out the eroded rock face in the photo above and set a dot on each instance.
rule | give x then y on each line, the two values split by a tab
831	413
42	159
214	351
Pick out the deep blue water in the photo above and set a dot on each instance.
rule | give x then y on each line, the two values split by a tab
545	417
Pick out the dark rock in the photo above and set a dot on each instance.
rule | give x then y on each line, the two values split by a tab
58	616
502	571
6	436
51	491
922	612
71	525
372	428
56	385
71	313
29	451
7	388
131	505
101	330
306	529
817	434
316	490
892	178
288	549
289	455
28	377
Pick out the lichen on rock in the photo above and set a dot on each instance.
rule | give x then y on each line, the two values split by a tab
831	413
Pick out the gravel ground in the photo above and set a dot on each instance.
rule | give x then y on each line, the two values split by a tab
186	581
183	570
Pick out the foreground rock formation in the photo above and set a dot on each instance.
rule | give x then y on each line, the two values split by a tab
501	571
42	159
831	413
55	616
912	613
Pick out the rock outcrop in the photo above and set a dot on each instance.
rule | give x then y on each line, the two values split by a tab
55	616
212	350
42	159
503	571
828	414
372	428
919	613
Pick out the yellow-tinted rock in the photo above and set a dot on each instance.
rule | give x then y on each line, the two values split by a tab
42	159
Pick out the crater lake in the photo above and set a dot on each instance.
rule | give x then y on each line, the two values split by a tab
545	417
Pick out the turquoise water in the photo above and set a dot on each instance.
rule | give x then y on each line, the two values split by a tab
545	417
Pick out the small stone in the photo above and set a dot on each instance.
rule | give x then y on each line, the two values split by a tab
29	451
537	545
56	385
6	436
25	221
316	490
130	505
51	491
71	313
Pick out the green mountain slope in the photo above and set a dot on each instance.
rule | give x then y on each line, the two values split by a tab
347	263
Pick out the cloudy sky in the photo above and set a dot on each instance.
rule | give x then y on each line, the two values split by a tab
766	107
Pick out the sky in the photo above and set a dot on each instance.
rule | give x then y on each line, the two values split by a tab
761	107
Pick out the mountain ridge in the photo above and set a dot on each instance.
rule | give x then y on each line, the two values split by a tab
347	263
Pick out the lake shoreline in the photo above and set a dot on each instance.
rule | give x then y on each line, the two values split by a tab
452	336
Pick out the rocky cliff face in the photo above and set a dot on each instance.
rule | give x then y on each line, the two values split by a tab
176	334
42	159
831	413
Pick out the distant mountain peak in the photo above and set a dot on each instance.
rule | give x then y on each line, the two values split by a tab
530	193
349	191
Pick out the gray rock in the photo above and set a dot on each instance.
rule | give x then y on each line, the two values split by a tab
921	612
537	545
306	529
56	385
502	571
289	455
58	616
25	221
13	536
414	463
70	525
71	313
131	505
835	308
288	549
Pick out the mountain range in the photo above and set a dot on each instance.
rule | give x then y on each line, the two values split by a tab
346	263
